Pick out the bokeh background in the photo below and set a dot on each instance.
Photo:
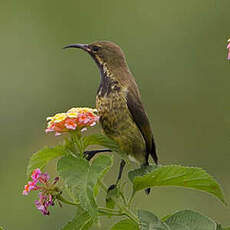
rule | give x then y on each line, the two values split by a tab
177	52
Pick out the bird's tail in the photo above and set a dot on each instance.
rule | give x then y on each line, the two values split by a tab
153	152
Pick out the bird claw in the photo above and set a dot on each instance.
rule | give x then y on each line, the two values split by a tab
111	187
91	153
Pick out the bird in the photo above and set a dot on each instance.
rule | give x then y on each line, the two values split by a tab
118	102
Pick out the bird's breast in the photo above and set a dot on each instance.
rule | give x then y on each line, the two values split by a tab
118	124
112	109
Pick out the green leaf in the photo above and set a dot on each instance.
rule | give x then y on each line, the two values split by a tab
111	195
104	164
99	139
1	228
142	171
106	169
126	224
190	220
222	228
81	221
41	158
148	221
82	178
110	203
176	175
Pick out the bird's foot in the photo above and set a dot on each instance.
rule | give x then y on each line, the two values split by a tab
111	187
147	191
91	153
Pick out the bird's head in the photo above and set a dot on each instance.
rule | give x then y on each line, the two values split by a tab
103	52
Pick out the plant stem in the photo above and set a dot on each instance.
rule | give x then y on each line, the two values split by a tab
108	211
124	199
76	138
62	199
131	199
123	210
105	211
131	215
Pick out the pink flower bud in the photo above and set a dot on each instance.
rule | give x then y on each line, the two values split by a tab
228	47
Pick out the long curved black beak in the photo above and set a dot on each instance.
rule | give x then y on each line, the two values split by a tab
80	46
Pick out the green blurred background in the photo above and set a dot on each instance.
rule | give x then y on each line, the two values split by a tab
177	52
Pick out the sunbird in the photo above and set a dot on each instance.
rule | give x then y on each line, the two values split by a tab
119	105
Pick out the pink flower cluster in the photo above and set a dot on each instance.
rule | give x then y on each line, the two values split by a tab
45	200
74	118
228	47
40	181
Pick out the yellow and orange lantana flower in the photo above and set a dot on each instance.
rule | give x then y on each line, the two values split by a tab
75	118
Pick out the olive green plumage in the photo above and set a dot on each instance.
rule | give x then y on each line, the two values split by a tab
118	102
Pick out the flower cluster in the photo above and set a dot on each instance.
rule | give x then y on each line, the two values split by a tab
40	181
75	118
228	47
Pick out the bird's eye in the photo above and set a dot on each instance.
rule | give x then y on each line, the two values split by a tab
95	48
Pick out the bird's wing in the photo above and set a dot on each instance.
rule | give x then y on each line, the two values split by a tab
139	116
